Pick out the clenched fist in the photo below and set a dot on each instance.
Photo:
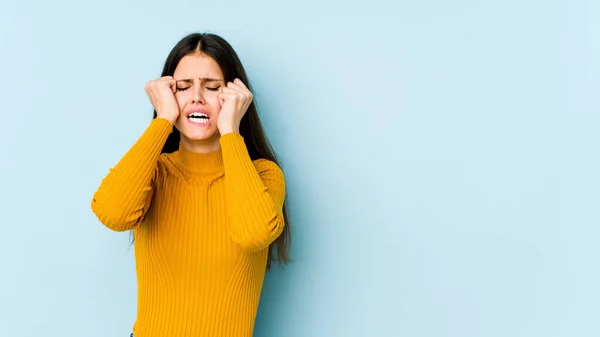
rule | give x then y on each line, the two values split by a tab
235	99
161	92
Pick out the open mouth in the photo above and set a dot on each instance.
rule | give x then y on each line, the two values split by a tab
198	118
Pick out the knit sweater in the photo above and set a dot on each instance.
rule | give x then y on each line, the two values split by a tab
202	225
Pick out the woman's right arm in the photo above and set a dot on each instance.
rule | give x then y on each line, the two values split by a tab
124	195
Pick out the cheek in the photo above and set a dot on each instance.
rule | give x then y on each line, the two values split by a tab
181	99
215	103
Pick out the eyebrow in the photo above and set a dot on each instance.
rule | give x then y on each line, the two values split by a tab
204	79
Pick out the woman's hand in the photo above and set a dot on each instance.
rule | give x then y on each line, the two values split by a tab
235	99
161	92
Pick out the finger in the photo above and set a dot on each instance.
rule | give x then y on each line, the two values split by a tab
234	85
240	83
167	80
238	90
229	90
228	95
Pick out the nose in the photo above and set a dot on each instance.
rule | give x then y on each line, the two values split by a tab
198	97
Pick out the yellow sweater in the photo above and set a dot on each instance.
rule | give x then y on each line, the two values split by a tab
202	224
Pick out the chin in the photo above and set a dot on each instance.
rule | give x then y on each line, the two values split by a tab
199	134
196	131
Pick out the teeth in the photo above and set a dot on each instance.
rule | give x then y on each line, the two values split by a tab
197	115
199	120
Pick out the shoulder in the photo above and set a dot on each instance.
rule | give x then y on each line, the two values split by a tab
165	159
268	167
166	166
265	164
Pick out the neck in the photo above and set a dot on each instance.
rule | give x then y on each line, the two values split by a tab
200	156
200	146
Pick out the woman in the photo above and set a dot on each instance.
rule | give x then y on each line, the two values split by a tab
203	193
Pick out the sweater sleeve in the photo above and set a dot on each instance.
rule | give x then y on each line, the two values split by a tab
255	195
124	195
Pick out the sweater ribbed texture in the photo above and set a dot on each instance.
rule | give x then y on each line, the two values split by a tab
202	224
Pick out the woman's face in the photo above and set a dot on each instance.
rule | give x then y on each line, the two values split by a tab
199	80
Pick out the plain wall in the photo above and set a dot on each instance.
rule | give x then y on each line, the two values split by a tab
441	159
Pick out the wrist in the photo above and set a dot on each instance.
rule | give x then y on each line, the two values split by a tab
223	130
172	120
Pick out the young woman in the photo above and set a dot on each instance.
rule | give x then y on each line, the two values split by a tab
203	193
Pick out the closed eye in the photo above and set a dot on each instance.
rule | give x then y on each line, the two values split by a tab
182	89
214	89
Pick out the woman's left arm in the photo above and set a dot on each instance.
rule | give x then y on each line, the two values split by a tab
255	195
255	190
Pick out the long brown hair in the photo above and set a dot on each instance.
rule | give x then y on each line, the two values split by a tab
251	129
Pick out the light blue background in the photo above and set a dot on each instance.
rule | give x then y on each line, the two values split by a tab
441	157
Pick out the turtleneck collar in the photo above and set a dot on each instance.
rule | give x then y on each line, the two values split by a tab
199	162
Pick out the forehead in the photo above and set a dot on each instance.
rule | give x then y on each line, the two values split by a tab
196	66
